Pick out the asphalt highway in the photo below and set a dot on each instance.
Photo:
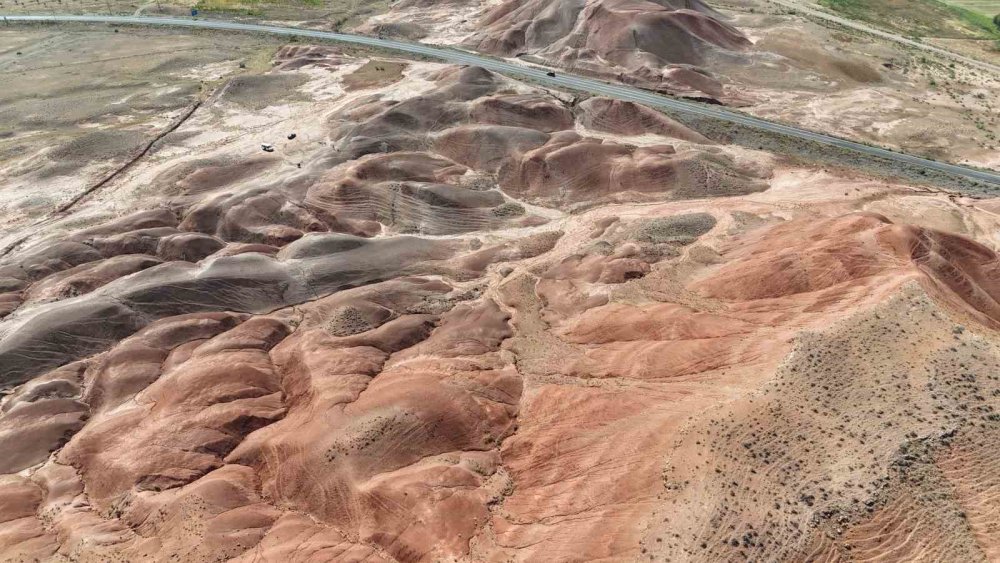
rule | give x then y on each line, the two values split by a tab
539	76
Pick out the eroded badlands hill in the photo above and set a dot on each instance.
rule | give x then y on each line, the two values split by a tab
753	54
662	45
457	317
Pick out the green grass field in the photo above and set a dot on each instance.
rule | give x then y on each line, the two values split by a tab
924	18
984	7
341	14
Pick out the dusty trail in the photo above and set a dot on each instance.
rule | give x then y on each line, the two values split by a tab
117	172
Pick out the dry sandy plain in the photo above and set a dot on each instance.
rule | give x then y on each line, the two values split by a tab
460	318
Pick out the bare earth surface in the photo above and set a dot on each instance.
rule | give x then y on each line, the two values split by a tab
454	317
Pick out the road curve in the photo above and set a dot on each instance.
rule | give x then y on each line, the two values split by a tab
798	7
539	76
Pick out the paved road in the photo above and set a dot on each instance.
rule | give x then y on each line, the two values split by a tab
800	7
561	80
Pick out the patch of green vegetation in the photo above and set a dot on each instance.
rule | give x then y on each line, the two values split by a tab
343	13
919	18
976	19
989	8
227	5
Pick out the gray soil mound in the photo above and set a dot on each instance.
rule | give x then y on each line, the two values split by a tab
679	229
98	145
402	30
321	245
258	92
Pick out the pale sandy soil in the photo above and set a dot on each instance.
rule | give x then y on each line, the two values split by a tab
447	24
906	107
